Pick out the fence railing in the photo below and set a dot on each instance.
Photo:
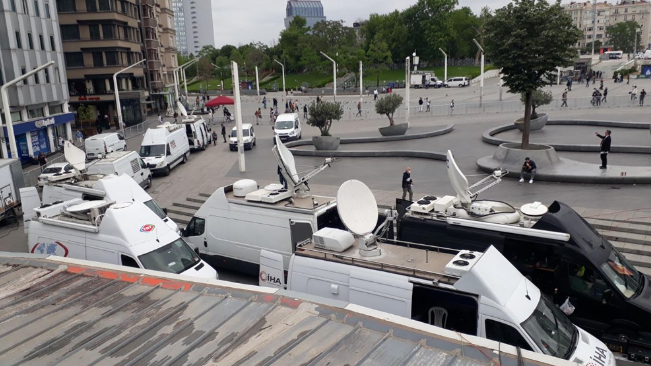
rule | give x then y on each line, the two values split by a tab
30	175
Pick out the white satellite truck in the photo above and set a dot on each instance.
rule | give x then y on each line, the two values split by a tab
124	233
89	187
196	130
478	293
239	220
164	147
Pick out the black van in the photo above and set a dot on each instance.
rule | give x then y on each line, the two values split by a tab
612	299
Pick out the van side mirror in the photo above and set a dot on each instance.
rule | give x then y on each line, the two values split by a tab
165	210
183	233
608	295
273	127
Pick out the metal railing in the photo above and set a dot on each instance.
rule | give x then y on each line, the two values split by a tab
30	175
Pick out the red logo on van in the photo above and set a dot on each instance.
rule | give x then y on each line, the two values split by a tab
147	228
54	248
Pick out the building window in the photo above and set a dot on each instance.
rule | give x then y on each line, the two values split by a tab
13	5
74	59
56	109
23	71
66	6
47	10
94	31
111	58
47	75
31	42
25	8
41	42
19	42
36	9
35	113
91	5
52	43
36	80
69	32
105	5
107	30
98	59
124	7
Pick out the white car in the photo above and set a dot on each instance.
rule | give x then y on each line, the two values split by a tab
436	83
52	169
457	81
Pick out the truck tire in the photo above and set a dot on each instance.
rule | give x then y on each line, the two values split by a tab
167	170
185	158
149	182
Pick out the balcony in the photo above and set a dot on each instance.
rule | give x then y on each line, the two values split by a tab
154	64
149	22
152	43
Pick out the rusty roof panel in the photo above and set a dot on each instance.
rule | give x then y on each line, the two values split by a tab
73	315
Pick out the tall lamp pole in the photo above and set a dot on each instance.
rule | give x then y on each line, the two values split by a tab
183	67
238	115
481	71
445	66
283	66
361	84
221	77
5	106
407	82
117	93
334	74
594	23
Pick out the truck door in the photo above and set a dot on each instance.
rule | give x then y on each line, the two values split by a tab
195	233
381	291
30	201
501	331
271	270
301	232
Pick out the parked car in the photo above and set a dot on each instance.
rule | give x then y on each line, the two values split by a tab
457	81
52	169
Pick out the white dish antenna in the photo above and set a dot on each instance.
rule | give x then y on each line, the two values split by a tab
357	207
287	160
182	111
458	180
86	206
74	156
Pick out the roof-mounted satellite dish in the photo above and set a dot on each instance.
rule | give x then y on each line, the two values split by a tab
182	111
458	180
357	207
74	156
287	160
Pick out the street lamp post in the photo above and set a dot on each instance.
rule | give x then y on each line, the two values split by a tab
257	81
445	66
5	106
221	77
117	93
283	66
407	82
481	73
361	84
183	67
334	74
238	115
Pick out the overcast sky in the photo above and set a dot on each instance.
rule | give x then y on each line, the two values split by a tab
241	22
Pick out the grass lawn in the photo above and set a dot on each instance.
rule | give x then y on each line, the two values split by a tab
399	75
294	81
213	84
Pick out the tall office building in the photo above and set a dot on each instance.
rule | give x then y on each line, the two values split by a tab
199	30
179	25
29	38
311	10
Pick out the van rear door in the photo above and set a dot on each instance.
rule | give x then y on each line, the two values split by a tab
381	291
271	270
29	201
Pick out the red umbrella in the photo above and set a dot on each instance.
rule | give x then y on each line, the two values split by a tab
220	100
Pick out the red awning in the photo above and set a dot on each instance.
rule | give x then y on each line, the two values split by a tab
220	100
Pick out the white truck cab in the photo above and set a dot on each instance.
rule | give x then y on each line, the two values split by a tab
248	137
288	127
125	233
164	147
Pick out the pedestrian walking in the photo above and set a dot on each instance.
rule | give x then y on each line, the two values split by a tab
359	109
452	106
634	93
375	95
642	95
62	142
605	148
601	84
529	167
275	102
305	111
587	81
568	84
80	137
271	116
212	120
603	100
428	102
420	104
224	132
258	116
564	97
407	182
160	119
98	124
214	138
264	102
42	161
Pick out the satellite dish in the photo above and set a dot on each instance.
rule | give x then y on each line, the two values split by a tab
74	156
287	160
83	207
121	205
357	207
182	111
458	180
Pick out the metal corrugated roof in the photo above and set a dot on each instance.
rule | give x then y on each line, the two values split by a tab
61	311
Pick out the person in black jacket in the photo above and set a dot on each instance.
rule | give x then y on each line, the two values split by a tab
529	166
406	184
605	148
224	131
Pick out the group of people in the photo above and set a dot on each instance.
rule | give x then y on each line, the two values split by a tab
427	103
634	94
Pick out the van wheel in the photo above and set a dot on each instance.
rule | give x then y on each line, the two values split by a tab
149	181
185	158
167	170
253	142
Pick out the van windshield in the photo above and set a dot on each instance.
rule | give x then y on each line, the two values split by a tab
156	209
625	277
284	125
175	257
152	150
245	133
551	330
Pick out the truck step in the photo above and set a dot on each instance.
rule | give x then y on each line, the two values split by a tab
180	220
196	199
182	211
202	194
189	205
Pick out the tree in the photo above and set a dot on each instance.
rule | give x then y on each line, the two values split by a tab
538	98
622	36
428	24
463	23
322	114
208	51
378	57
388	106
529	39
480	29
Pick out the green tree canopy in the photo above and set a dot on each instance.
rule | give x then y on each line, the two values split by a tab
388	106
322	114
528	39
622	36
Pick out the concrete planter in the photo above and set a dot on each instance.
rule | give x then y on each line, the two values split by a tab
534	124
395	130
511	157
326	142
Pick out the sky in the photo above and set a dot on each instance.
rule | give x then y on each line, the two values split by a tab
242	22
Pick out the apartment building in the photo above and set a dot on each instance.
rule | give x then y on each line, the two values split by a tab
160	48
199	29
29	38
638	11
179	25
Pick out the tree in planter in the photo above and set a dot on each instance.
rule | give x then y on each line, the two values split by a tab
322	114
388	105
528	40
538	98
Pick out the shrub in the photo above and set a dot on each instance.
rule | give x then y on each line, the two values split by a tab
388	105
322	114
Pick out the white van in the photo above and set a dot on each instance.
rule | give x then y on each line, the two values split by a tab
126	233
288	127
457	81
122	162
104	143
164	147
198	134
248	135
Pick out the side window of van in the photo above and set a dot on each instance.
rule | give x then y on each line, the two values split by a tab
197	226
128	261
120	137
142	163
505	333
135	165
585	280
252	131
296	124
